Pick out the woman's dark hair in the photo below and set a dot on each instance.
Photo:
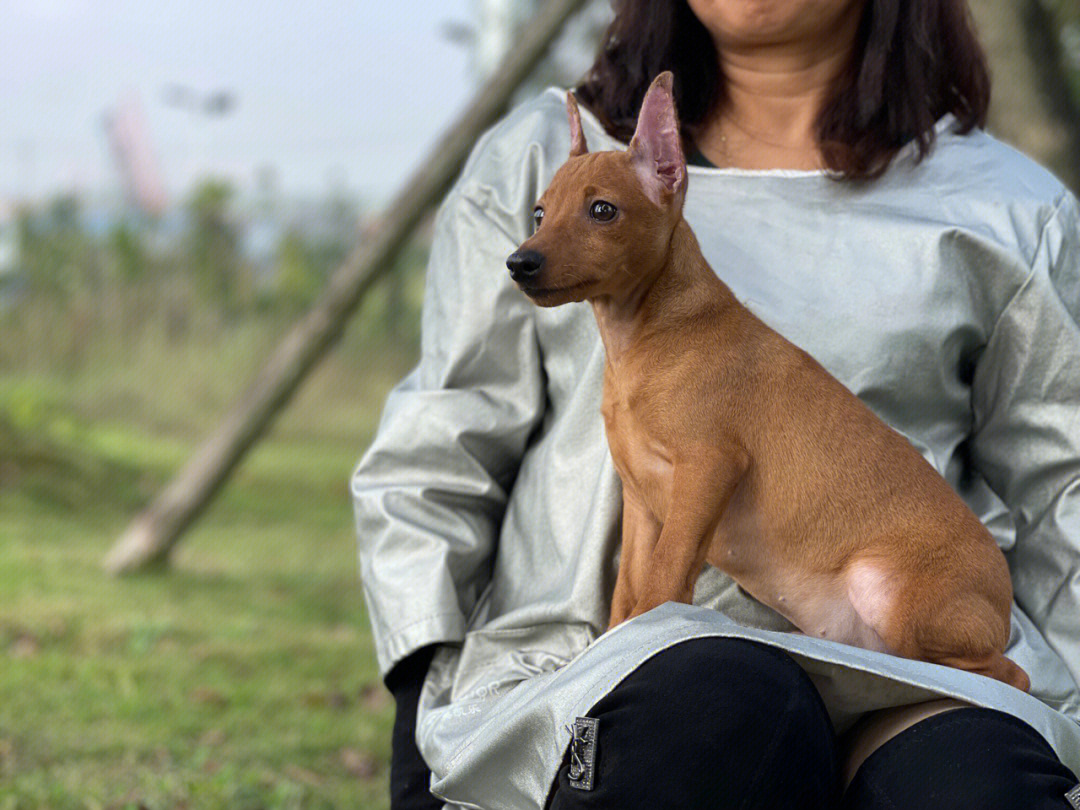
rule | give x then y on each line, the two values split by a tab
913	62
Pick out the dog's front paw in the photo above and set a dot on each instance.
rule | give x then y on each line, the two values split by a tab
622	604
619	614
642	607
649	601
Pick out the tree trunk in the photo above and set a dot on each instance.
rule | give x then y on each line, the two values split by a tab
155	531
1032	108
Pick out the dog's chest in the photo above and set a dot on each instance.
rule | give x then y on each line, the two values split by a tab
642	461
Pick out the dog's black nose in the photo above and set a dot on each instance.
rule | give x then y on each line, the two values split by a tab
525	264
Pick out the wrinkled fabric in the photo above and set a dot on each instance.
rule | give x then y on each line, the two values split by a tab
946	295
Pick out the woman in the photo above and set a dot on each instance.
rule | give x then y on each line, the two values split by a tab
847	195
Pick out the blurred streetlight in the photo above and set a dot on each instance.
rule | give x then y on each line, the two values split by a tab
202	106
212	105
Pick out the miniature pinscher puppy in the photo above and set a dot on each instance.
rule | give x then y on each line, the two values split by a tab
737	448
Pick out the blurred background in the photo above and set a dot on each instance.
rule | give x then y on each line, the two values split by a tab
177	183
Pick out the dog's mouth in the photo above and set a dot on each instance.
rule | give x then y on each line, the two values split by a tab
542	293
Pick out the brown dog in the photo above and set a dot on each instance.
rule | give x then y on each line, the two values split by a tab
737	448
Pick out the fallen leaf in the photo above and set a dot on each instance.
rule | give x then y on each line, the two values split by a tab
342	632
361	764
303	775
374	697
25	646
213	736
206	695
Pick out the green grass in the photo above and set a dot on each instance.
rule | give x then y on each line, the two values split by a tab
240	677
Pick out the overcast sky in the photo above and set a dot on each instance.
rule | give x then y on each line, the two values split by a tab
324	87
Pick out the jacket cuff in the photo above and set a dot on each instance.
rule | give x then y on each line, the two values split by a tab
393	645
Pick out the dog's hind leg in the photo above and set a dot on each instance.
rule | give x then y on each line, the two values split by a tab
993	665
966	632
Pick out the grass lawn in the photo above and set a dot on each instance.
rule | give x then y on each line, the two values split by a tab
242	676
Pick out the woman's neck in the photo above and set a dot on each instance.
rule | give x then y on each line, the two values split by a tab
774	97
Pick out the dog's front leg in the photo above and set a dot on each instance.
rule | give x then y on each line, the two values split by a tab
640	529
702	486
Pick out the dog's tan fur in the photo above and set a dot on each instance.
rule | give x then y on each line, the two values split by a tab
737	448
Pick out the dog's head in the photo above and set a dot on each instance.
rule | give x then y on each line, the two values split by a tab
605	222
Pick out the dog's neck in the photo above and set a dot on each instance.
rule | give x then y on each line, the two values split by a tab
684	287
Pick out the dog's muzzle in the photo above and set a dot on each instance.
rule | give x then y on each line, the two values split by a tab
525	265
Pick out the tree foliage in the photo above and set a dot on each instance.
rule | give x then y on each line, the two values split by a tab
212	245
56	256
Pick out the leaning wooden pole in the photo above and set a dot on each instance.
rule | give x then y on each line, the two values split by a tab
155	531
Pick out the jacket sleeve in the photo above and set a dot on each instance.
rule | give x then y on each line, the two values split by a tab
430	492
1026	442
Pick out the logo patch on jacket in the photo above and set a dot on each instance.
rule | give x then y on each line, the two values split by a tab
582	771
1073	797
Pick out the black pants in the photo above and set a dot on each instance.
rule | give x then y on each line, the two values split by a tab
717	723
727	723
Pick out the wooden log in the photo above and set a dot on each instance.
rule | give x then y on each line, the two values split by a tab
155	531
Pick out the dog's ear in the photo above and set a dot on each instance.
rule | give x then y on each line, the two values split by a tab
577	137
656	149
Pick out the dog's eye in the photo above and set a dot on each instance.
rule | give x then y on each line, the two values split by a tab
603	211
538	216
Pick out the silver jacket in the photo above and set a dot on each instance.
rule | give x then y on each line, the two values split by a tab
946	295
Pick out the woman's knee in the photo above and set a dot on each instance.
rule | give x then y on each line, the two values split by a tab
721	683
970	757
710	722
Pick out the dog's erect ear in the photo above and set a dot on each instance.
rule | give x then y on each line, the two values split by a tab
577	137
656	148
